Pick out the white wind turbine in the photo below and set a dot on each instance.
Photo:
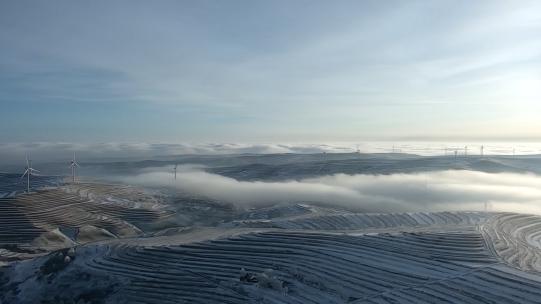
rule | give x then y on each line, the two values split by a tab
28	172
73	166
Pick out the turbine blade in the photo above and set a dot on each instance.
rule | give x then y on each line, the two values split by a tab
25	171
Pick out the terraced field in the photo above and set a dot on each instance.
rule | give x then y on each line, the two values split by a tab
306	268
11	184
347	220
87	243
516	238
448	257
52	218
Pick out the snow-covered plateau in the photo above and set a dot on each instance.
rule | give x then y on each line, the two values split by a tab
334	228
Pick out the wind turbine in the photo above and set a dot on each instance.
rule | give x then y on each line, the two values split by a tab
28	171
73	166
175	171
482	150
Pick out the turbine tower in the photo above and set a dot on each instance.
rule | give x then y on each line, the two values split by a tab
73	166
482	150
28	171
175	171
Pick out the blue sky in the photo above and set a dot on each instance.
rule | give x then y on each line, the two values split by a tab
269	71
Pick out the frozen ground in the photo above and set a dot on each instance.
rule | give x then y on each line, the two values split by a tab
98	242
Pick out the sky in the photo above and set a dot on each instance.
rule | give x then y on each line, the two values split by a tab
269	71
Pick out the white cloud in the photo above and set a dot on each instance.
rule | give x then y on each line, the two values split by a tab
434	191
13	153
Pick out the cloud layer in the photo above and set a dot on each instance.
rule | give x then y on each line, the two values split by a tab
14	153
434	191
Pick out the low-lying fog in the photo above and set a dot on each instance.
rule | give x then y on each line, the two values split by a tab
430	191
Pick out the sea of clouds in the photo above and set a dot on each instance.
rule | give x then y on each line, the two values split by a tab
11	153
430	191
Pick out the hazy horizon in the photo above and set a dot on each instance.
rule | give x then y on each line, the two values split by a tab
13	154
